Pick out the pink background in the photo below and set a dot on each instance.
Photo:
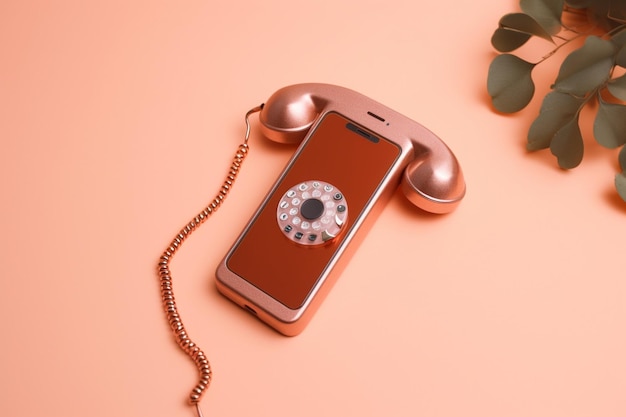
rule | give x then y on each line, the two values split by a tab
118	121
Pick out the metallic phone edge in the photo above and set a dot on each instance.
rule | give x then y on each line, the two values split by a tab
291	322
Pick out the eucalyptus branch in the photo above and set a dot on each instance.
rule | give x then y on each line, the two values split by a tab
615	31
585	75
555	50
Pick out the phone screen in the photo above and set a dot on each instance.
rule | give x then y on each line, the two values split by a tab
342	160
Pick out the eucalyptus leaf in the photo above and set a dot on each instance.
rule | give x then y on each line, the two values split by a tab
586	68
620	179
567	145
603	12
609	127
619	38
617	11
506	40
509	83
521	22
620	185
584	73
620	58
546	12
579	4
617	87
557	110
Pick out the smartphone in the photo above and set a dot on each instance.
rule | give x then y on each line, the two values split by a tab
292	250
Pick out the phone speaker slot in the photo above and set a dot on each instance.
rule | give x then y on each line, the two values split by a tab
366	135
375	116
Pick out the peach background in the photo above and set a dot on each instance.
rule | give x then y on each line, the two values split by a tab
118	120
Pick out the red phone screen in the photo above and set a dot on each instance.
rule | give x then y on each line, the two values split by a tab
339	153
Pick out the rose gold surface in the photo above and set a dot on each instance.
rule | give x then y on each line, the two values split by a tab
281	275
269	272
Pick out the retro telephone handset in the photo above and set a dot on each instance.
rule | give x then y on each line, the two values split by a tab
432	180
353	154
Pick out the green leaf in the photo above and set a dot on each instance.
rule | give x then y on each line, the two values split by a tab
509	83
506	40
557	110
620	185
620	57
619	38
546	12
579	4
605	13
567	145
515	29
521	22
586	68
617	12
617	87
609	128
620	179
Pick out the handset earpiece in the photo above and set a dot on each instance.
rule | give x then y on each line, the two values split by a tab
433	181
289	113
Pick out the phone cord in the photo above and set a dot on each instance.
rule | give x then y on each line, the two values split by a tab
165	277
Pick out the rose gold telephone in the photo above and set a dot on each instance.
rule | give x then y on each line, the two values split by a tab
353	154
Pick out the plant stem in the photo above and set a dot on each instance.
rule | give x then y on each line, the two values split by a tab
612	32
555	50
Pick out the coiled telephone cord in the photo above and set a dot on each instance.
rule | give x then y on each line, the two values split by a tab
165	277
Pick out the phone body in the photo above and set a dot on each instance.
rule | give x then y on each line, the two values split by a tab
354	153
281	272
